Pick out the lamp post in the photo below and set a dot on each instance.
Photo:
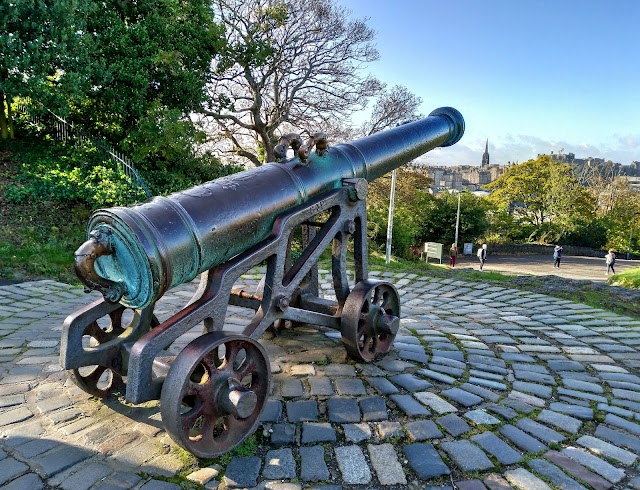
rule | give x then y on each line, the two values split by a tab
457	220
392	196
631	234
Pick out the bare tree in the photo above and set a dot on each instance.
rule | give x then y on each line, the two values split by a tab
287	64
391	108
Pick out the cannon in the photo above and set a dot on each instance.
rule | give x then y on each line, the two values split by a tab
213	391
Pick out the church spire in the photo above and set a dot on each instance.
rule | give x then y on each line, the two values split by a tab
485	155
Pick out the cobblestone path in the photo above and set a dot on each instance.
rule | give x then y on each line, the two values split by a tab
485	387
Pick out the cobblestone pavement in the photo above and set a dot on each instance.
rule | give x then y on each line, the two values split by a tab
484	388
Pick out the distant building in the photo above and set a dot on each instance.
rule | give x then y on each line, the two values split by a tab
485	155
465	177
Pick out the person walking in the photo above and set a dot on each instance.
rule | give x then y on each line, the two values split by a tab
453	255
557	256
610	259
482	255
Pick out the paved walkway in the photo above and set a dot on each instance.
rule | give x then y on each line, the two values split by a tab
571	267
484	388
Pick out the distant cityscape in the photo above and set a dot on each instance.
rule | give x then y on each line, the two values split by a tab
473	177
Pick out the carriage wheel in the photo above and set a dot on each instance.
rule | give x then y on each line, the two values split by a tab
215	392
98	380
370	319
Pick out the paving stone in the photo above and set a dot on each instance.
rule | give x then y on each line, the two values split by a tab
318	432
579	412
467	456
480	391
204	475
540	431
410	382
349	387
601	467
453	424
554	474
386	465
610	451
409	405
242	471
496	482
321	386
462	397
481	417
382	385
618	438
10	468
353	465
389	429
436	376
62	458
505	412
373	409
159	485
279	464
521	439
421	430
30	481
356	432
434	402
425	461
302	410
312	464
560	421
272	411
495	446
577	470
616	421
524	480
283	434
14	416
343	410
292	388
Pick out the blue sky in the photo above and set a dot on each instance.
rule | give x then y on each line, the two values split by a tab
531	76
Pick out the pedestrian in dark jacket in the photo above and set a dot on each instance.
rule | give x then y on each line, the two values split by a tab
482	255
557	256
610	259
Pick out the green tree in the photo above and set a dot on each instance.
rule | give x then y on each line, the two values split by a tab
38	38
439	219
149	64
411	201
543	196
287	65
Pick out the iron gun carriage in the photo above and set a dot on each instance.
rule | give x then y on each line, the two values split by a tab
213	392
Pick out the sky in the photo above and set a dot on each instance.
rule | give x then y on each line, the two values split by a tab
531	76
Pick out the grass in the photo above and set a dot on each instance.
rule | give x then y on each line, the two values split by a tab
629	278
38	241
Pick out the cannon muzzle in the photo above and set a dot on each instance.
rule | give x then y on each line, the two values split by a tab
135	254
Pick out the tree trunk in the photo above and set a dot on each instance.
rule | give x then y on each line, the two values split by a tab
10	119
4	127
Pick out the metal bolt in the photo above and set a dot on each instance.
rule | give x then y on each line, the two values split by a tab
349	227
282	303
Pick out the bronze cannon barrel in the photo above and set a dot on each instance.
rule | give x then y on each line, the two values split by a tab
134	254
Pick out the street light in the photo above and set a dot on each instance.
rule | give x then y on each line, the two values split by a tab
457	220
392	196
631	234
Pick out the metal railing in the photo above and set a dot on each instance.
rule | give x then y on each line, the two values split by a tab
63	130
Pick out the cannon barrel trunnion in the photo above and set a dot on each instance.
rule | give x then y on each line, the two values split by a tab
213	392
